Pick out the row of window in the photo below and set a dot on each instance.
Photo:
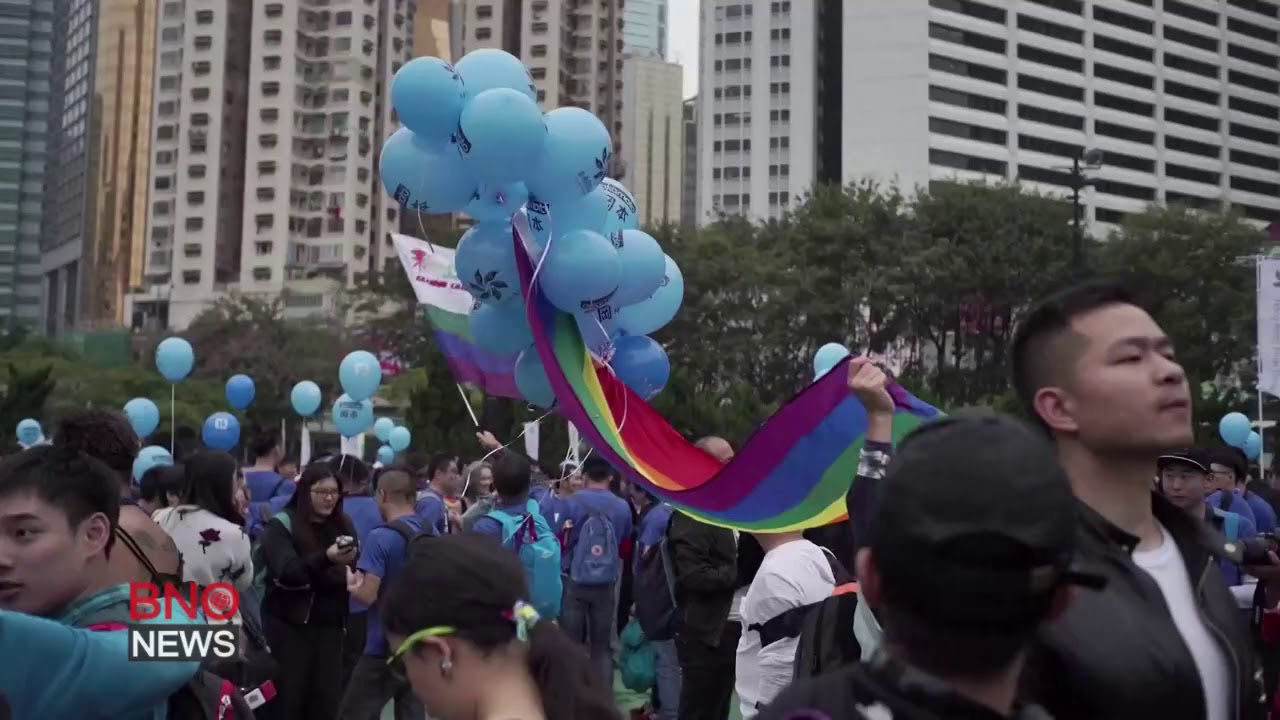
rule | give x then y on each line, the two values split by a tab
744	172
1101	12
775	143
734	201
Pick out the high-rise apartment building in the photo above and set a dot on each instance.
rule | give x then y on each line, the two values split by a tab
653	136
95	204
1181	98
432	34
26	66
767	104
644	29
689	194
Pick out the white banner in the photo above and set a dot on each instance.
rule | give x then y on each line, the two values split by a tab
1269	326
531	439
430	271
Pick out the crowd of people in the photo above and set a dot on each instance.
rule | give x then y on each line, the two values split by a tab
1090	563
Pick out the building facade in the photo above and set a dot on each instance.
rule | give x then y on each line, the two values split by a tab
644	29
26	69
689	194
653	136
1181	98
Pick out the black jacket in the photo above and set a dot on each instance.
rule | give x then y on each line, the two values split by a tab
1116	653
305	588
706	570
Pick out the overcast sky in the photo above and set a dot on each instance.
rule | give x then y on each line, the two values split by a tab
682	40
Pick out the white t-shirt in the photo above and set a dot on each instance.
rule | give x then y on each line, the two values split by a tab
213	549
1165	565
791	575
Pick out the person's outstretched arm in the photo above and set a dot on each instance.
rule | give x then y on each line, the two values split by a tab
867	384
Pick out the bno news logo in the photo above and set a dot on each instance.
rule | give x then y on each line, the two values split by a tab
195	622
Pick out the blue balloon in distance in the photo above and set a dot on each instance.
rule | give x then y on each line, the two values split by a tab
1234	429
400	438
580	267
574	159
382	428
486	263
531	380
500	135
29	432
589	212
240	391
386	455
643	265
489	68
1253	446
500	329
425	179
221	431
154	451
827	357
174	359
650	315
641	364
497	203
621	206
352	417
144	416
428	94
360	374
157	457
306	398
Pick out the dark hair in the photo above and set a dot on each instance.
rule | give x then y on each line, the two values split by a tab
159	481
950	651
208	481
398	484
1232	457
1036	353
485	582
348	470
304	516
438	462
512	474
74	482
597	470
263	443
102	434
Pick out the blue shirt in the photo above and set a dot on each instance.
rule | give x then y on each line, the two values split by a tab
1245	529
1264	515
601	500
491	527
363	511
653	526
1237	506
430	507
383	554
266	484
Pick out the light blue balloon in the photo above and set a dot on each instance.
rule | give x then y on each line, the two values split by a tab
531	380
425	179
486	263
500	135
827	357
386	455
150	457
621	206
221	431
641	364
580	267
649	316
500	329
306	398
589	212
400	438
598	327
1234	429
497	203
1253	446
143	415
29	432
643	265
428	94
360	374
382	428
574	158
174	359
352	417
489	68
240	391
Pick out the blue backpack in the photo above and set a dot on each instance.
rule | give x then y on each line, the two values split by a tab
595	552
1230	524
531	539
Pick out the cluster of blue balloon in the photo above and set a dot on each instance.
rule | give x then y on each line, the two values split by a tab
1237	431
360	375
476	141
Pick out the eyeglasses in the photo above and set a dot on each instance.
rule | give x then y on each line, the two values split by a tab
396	661
326	494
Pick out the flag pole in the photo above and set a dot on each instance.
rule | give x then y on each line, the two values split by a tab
467	403
1262	435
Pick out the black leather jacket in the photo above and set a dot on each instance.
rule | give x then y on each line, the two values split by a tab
1116	652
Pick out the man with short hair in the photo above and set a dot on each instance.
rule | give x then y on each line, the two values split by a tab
264	482
511	474
1164	638
382	557
969	550
1184	479
150	554
1231	468
432	506
288	469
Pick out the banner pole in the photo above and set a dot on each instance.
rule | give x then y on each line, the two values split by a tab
1262	435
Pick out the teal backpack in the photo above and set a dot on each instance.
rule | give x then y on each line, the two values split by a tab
260	570
531	539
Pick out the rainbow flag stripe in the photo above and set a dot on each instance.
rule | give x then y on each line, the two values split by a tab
792	474
495	374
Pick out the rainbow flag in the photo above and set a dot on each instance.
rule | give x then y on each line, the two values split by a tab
792	474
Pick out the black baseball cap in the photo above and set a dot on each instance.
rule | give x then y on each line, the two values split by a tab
1196	458
974	524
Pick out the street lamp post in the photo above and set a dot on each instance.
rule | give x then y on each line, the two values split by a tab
1090	159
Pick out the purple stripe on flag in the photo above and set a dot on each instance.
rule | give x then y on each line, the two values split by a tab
495	374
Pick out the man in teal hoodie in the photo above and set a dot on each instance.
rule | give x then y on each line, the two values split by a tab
58	511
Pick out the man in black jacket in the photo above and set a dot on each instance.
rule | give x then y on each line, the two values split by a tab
1164	638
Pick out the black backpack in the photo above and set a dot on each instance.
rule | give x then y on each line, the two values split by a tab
654	589
208	697
817	625
411	537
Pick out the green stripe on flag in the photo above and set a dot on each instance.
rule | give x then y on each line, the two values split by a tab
450	322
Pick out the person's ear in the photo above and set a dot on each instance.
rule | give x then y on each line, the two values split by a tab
1056	408
95	532
868	574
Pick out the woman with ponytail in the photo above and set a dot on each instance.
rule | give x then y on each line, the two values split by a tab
473	649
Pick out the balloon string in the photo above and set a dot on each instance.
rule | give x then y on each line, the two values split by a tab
173	417
422	228
491	453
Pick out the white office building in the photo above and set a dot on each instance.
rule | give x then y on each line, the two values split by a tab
653	136
644	29
1182	98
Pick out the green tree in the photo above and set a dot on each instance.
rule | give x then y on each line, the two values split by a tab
26	393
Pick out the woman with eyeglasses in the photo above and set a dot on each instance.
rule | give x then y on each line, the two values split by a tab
308	547
478	651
